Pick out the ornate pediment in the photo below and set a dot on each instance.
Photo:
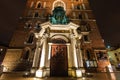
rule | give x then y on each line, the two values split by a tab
58	28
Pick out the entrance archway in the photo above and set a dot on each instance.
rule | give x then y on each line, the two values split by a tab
59	59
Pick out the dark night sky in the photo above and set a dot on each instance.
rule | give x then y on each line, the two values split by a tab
107	14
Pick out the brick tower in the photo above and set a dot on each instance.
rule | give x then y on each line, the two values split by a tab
57	38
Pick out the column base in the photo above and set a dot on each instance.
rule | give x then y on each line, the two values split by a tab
39	73
42	72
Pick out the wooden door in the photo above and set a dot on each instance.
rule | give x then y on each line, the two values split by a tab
59	61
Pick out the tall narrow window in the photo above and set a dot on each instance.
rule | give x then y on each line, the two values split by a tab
88	54
30	39
26	55
86	38
80	16
39	5
88	27
79	7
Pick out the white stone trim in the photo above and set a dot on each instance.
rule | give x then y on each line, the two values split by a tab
60	36
64	6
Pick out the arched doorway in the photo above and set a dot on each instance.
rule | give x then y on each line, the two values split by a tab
59	60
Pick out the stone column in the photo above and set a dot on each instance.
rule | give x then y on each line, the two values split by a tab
81	58
46	50
69	56
36	55
42	59
79	55
49	55
73	41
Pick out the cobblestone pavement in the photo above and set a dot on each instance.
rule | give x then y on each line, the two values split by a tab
92	76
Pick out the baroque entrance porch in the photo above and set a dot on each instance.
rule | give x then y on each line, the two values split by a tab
59	60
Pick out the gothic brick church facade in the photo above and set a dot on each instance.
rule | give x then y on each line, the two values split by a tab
56	38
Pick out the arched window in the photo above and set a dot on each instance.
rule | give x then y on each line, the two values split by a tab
30	38
88	54
39	5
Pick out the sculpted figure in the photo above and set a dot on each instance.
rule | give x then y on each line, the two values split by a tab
59	16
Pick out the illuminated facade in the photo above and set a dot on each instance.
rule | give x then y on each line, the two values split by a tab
114	57
56	38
